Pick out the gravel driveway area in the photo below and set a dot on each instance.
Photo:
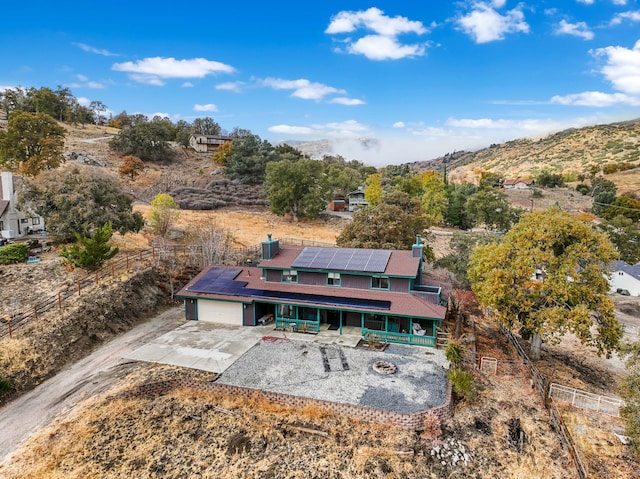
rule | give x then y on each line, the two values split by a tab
344	374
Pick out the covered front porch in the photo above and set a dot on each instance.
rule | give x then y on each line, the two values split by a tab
418	331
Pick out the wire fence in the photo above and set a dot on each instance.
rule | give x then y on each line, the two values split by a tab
586	400
540	382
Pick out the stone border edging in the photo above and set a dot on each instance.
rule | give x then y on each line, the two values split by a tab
409	421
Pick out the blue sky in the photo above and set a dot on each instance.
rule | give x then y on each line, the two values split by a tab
416	78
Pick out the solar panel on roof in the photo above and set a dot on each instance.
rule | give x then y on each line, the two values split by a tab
343	259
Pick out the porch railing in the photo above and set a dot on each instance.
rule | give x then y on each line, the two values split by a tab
402	338
298	325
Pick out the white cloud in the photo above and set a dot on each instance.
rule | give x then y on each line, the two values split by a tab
632	16
375	20
187	84
485	24
347	101
235	86
151	70
622	68
302	88
619	2
399	124
207	107
290	130
579	29
98	51
586	2
596	99
380	47
383	44
85	83
498	3
147	79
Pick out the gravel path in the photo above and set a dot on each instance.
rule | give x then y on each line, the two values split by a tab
344	374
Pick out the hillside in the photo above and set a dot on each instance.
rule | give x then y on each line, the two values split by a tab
572	151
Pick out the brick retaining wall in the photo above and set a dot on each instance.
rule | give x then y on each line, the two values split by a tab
412	421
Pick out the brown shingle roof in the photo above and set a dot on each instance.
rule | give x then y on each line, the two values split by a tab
404	304
401	263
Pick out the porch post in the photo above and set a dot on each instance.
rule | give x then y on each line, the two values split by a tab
340	322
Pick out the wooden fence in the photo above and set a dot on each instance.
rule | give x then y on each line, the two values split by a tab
12	320
540	382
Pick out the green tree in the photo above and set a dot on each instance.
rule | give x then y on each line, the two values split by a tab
248	160
163	213
206	126
625	235
296	187
455	213
461	246
73	202
629	390
491	208
32	143
92	251
547	179
149	141
393	224
626	204
549	277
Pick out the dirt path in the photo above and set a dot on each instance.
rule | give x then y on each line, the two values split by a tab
93	374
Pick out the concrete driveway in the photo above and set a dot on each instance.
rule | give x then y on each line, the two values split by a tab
214	347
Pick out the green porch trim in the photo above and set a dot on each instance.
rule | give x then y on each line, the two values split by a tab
400	338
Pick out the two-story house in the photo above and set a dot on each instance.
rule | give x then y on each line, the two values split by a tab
206	143
13	222
377	293
356	199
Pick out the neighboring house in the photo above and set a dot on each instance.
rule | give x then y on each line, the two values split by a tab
624	277
518	184
338	205
377	293
356	199
15	223
206	143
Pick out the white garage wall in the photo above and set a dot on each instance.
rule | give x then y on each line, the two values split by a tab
224	312
622	280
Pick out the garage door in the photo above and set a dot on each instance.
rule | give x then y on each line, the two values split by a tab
220	312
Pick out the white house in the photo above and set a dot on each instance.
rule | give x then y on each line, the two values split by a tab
15	223
357	199
625	277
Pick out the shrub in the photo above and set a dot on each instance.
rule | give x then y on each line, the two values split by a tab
462	383
454	354
14	253
583	189
5	386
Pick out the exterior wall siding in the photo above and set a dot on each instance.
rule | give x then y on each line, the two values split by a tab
399	285
355	281
315	279
274	275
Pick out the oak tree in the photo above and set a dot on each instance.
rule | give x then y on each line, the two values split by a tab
163	213
75	202
548	277
32	143
130	166
296	187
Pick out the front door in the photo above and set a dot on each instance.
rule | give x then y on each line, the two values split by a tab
191	309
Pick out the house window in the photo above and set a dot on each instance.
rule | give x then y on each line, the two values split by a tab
35	221
290	276
333	279
24	220
1	225
379	282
